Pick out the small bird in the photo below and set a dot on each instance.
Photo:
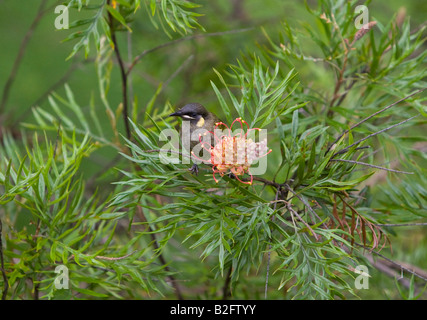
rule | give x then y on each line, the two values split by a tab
199	118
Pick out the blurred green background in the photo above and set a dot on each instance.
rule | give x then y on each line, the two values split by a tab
186	68
43	62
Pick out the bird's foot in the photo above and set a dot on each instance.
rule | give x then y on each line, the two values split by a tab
194	169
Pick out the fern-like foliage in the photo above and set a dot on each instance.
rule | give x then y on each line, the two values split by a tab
71	229
344	112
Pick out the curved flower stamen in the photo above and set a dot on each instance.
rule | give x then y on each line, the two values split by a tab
234	153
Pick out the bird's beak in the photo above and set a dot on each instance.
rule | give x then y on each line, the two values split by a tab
175	114
179	114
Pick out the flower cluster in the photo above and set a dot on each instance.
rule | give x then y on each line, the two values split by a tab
234	153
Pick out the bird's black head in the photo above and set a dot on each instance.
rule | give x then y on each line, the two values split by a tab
191	111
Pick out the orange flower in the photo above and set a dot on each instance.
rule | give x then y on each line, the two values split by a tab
234	153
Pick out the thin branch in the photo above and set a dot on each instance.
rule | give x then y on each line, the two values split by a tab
177	71
108	258
6	90
339	82
371	165
393	262
170	43
166	150
265	181
122	73
269	249
347	48
292	211
129	52
372	153
225	291
116	258
160	256
74	66
401	224
371	135
305	203
381	265
382	110
124	76
347	90
373	115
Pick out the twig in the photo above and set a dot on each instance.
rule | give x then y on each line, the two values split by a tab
109	258
371	135
401	224
269	249
74	66
393	262
373	115
122	73
265	181
124	76
347	48
156	245
305	203
170	43
160	256
292	211
339	82
177	71
225	291
347	90
372	153
166	150
371	165
116	258
6	90
384	267
129	52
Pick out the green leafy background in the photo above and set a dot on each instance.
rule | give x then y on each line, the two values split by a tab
74	190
